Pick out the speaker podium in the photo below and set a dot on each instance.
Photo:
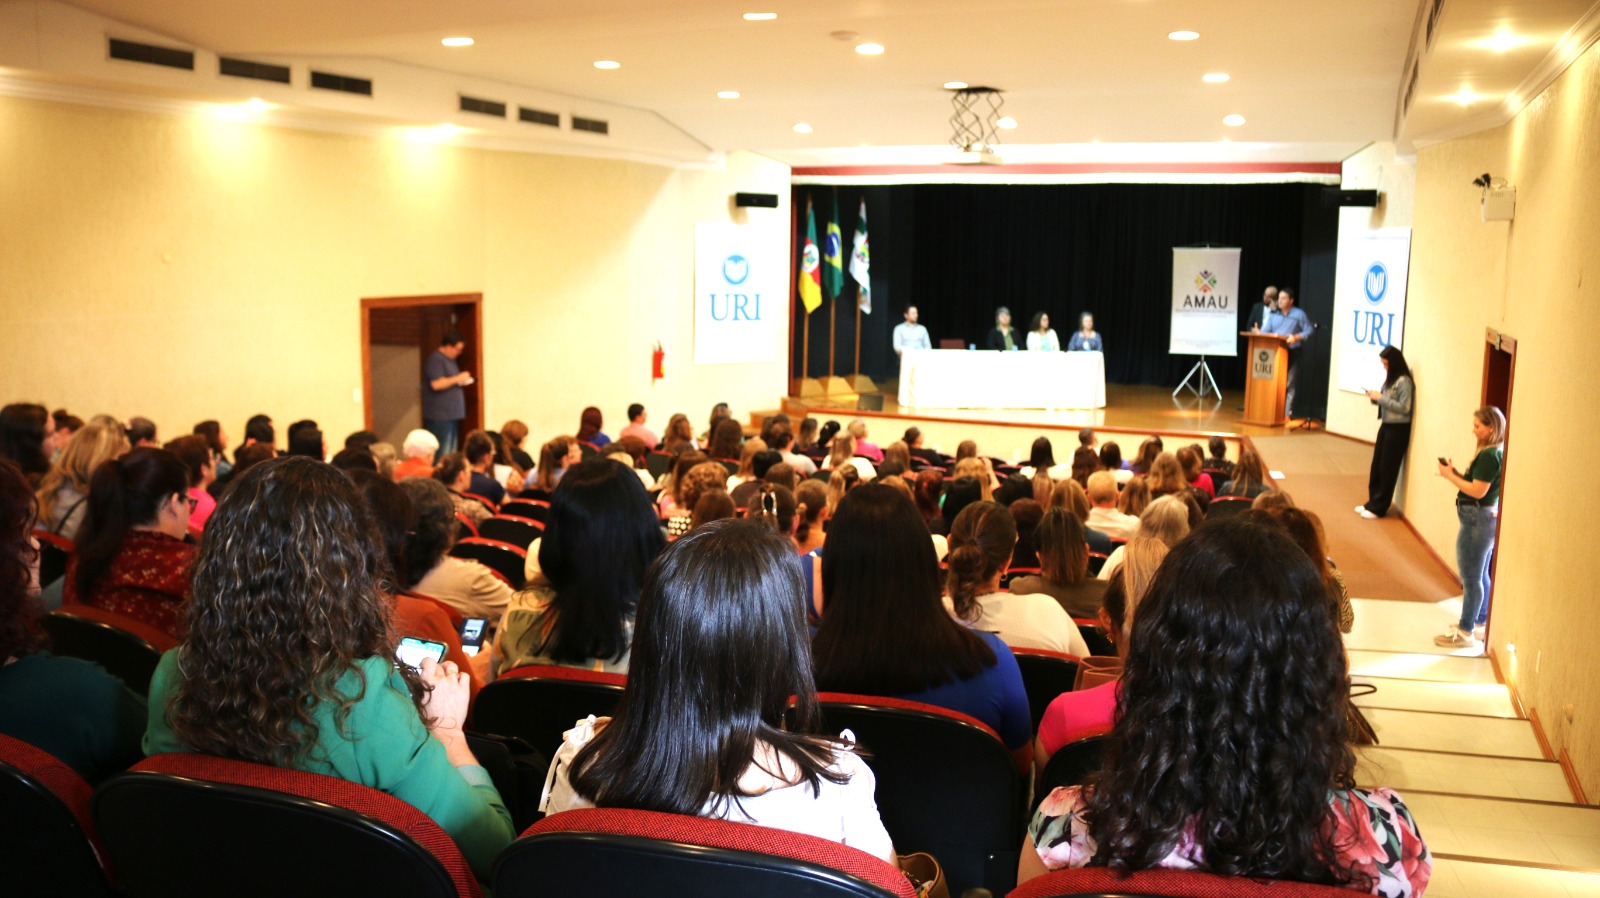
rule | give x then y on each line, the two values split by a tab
1267	379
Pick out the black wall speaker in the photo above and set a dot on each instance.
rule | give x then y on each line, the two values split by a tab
1333	196
760	200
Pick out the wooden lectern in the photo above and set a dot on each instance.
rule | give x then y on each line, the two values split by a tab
1266	379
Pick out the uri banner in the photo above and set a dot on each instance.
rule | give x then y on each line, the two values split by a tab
1369	304
1205	301
741	294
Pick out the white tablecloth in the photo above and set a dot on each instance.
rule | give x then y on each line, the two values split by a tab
962	378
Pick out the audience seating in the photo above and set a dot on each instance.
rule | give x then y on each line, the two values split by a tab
1045	675
1094	637
1101	882
128	649
732	464
505	559
1097	563
1070	766
465	528
946	785
588	449
657	463
615	851
1227	506
1013	573
532	509
188	824
53	553
539	702
511	529
457	619
535	494
48	843
486	502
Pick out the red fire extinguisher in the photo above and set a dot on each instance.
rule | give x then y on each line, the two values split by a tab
657	359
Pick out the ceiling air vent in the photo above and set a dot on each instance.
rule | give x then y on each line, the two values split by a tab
1433	21
483	107
150	54
539	117
593	125
344	83
260	71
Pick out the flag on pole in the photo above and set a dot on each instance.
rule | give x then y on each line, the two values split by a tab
810	274
833	244
861	261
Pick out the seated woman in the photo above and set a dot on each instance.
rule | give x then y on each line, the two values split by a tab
885	631
1041	336
290	659
455	475
64	491
726	439
1166	476
514	433
1134	497
1262	784
1085	463
467	586
858	429
1064	558
1166	519
1027	513
1189	459
1111	460
24	428
842	452
1146	457
720	616
747	459
589	424
1002	336
131	557
68	707
1085	338
697	481
201	464
958	494
713	505
1070	495
419	448
811	513
671	485
1250	477
1306	530
981	543
578	610
555	457
1042	460
478	448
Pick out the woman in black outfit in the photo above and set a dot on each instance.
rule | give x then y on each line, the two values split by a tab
1394	404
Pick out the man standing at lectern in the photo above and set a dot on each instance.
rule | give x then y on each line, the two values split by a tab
1292	324
1269	303
910	335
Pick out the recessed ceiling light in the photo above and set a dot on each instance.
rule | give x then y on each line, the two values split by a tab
1215	77
1183	35
607	64
802	128
256	104
1466	96
1007	123
869	49
760	16
955	85
728	94
1503	41
1233	121
457	42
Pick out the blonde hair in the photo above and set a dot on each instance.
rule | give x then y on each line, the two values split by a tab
973	467
1102	486
747	457
1167	519
1141	557
1166	475
93	443
900	452
841	481
841	450
1070	496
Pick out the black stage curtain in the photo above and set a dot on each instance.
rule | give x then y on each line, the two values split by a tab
959	251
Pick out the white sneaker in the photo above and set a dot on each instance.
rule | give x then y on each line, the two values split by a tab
1360	509
1367	514
1480	631
1455	639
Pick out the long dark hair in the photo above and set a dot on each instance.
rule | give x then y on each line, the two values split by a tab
589	424
1063	547
1397	366
884	629
1249	472
124	493
982	538
1041	457
432	532
22	437
599	511
726	438
285	602
1231	727
719	650
19	611
394	516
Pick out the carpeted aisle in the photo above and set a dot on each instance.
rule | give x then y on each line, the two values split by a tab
1379	559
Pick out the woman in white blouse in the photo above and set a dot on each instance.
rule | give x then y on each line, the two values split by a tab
1040	334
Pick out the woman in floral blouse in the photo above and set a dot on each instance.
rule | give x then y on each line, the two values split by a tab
1231	750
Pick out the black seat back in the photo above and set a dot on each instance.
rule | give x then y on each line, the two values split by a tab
1071	765
127	649
1045	675
45	849
511	529
538	704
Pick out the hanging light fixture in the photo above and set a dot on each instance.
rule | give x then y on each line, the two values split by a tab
974	124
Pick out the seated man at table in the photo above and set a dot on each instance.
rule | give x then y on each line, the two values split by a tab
910	334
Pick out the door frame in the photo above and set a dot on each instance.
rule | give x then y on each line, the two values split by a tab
1495	341
475	339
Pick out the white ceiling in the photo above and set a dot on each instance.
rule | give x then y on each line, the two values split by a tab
1315	80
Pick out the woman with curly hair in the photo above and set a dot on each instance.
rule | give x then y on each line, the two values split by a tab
290	659
1230	752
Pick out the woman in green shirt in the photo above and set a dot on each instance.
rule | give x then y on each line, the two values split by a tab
1478	507
290	659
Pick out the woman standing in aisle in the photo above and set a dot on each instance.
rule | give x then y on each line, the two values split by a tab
1041	335
1478	507
1394	434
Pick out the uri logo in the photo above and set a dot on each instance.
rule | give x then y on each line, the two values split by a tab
1377	282
1205	282
735	269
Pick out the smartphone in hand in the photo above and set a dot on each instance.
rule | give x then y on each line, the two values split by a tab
412	650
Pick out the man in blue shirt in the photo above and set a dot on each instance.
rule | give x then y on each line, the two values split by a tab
1292	323
910	334
444	403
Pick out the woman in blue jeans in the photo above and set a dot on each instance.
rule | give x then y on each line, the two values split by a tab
1478	507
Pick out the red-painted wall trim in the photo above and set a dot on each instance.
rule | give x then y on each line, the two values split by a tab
1079	168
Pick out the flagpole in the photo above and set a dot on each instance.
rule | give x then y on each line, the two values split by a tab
805	347
833	319
857	368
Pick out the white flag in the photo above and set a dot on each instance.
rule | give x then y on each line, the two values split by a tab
860	261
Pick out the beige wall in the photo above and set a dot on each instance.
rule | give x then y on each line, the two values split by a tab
185	268
1536	279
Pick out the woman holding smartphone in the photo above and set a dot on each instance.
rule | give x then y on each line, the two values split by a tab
291	659
1478	508
1394	433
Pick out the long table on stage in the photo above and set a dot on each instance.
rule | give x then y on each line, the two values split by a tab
962	378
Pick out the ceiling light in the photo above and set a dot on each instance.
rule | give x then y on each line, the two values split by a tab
728	94
607	64
1214	77
1466	96
1233	121
955	85
1183	35
1007	123
869	49
760	16
802	128
1503	41
457	42
256	104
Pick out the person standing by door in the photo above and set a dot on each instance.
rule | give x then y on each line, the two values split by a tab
444	402
1478	507
1394	404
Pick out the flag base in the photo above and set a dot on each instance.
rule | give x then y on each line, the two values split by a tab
837	385
809	387
863	383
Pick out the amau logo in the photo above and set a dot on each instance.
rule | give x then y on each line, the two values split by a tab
1205	282
1377	282
735	269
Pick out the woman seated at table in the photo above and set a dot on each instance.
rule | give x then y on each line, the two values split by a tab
1002	336
1040	334
1085	338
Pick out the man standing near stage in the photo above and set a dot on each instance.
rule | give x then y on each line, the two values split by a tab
910	335
1291	323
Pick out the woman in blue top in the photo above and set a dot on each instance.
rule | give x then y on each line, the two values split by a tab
1478	507
1085	339
885	630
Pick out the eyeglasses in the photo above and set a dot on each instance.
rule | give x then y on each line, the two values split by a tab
193	502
